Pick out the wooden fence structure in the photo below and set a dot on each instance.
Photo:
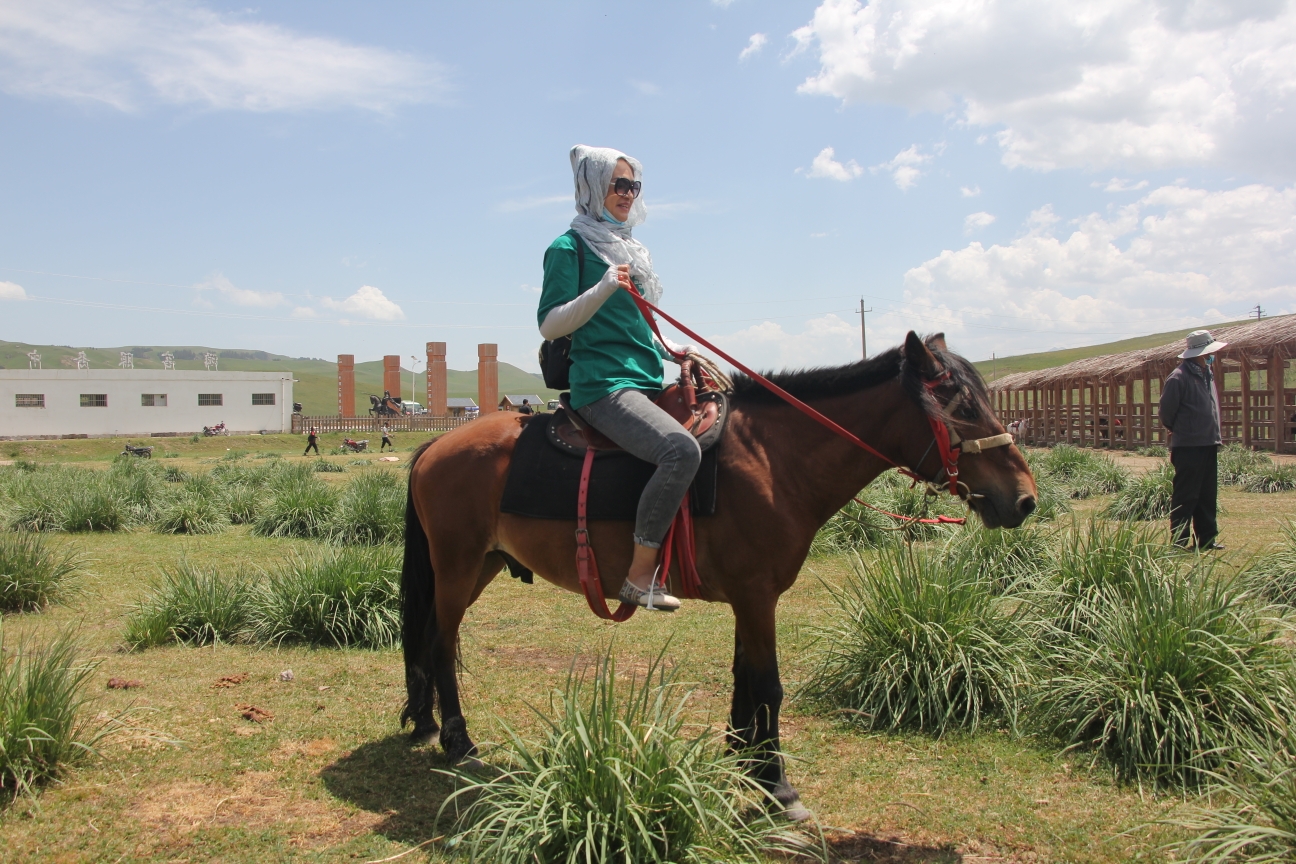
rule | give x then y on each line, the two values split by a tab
398	423
1111	401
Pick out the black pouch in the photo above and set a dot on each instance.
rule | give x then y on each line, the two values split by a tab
555	354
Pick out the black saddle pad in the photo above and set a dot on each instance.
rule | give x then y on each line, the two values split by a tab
543	481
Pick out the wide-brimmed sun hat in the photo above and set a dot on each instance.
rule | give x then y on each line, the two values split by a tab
1201	342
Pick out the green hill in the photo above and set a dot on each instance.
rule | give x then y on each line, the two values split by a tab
1002	366
316	379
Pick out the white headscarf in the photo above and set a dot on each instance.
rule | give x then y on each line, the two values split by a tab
592	169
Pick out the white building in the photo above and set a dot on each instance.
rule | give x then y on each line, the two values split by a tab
137	403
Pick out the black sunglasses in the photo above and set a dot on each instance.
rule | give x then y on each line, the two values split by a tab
626	186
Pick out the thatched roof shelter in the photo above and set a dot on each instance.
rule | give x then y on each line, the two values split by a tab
1082	402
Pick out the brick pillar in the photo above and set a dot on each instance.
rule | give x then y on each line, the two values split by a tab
392	375
487	378
346	385
436	379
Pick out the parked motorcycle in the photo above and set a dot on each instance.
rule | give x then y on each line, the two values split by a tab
218	429
142	452
354	446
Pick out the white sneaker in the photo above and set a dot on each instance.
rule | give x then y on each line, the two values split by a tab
654	598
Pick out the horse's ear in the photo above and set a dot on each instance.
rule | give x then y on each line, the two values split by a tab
937	341
918	354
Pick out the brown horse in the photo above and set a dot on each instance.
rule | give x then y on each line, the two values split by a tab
781	477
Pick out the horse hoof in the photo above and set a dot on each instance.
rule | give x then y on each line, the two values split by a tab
423	733
455	741
791	808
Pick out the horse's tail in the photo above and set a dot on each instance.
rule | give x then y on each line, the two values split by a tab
418	617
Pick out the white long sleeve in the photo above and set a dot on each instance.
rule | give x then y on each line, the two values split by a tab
569	317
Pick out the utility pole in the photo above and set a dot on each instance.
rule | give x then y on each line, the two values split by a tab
1259	313
863	334
413	379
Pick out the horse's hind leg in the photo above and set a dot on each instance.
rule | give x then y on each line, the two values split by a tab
454	595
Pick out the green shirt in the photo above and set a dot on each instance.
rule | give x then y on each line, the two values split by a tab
612	351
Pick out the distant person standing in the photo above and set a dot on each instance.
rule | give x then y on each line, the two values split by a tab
1190	410
526	407
386	441
312	442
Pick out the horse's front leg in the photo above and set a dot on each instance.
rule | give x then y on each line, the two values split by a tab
757	697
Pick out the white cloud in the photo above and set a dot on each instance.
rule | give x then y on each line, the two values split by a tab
754	46
822	342
723	4
970	191
1178	257
515	204
12	291
904	168
531	289
1116	184
129	54
976	221
825	166
646	88
368	302
1084	83
238	296
303	312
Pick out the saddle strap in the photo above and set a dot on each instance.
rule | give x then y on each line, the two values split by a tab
586	564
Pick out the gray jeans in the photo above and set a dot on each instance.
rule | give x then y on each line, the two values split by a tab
642	429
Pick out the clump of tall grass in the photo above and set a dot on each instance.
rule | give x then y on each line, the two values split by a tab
1272	478
174	474
339	597
618	778
323	466
1157	450
857	526
137	484
242	504
1007	558
1162	670
1273	574
1146	497
298	506
853	527
192	605
199	506
921	642
42	694
1236	462
371	510
1256	819
1082	472
1095	559
68	499
1052	499
32	573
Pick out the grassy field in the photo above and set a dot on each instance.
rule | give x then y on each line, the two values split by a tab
329	776
316	386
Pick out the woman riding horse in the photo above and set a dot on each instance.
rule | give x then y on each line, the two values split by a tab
616	363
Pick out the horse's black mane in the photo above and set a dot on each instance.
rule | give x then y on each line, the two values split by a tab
827	381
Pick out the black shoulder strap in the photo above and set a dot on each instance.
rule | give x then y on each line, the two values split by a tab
580	260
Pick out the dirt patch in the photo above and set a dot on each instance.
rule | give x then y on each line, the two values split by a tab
230	680
868	848
254	803
310	749
255	714
116	683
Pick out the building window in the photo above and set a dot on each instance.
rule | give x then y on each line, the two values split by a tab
263	399
29	400
210	399
94	400
153	400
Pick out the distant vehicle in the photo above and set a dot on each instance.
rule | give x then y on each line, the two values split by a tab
553	404
413	408
355	446
142	452
218	429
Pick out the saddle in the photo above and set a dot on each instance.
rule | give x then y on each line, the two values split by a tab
705	418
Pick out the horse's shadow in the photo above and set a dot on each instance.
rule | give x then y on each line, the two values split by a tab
870	849
397	781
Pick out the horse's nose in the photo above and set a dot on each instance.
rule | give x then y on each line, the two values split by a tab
1026	504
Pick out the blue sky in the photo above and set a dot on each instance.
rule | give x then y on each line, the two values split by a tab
318	178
